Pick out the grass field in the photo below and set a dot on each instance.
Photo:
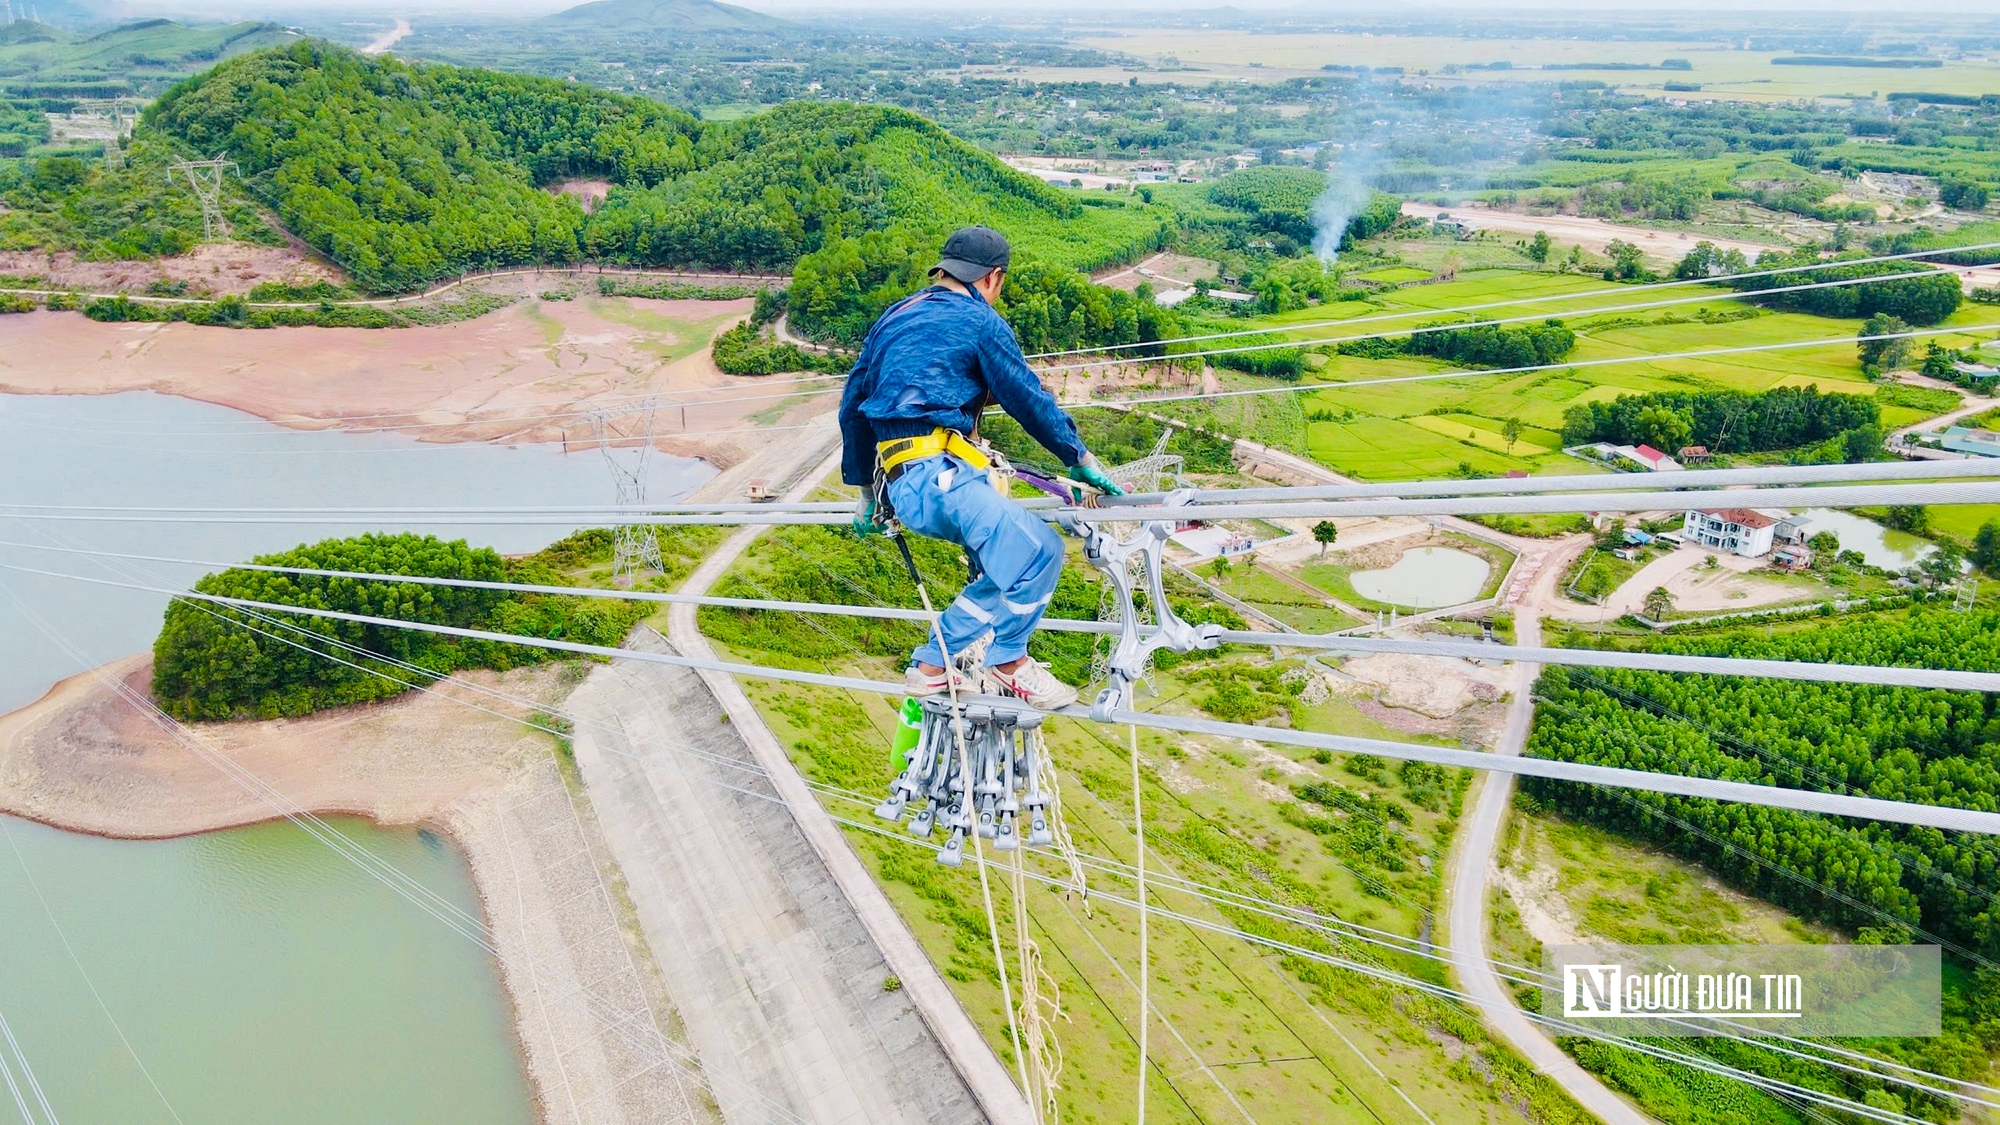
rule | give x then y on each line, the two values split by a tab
1280	599
1435	424
1335	573
1286	1039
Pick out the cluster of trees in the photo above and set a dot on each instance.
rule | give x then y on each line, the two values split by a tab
746	349
1894	743
1481	345
1053	309
1923	300
101	212
1495	345
237	312
1277	201
1724	421
1962	192
210	663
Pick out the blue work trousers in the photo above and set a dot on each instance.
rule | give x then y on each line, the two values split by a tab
1020	556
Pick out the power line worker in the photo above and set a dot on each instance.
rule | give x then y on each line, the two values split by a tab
908	420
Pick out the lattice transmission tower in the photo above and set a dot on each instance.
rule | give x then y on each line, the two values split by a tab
1966	594
1158	471
205	178
634	547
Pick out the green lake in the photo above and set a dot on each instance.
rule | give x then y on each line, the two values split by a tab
258	976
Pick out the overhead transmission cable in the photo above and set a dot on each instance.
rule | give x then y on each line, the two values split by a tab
1813	671
1972	467
419	895
1841	496
1936	816
1236	901
1453	326
1128	871
1610	291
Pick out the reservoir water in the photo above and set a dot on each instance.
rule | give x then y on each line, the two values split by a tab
1880	546
257	975
1425	578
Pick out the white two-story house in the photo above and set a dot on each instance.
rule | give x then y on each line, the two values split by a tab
1740	531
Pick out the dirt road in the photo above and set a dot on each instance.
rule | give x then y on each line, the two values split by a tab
381	43
1472	865
1593	235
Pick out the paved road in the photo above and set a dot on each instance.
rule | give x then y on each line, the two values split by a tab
1472	861
768	964
775	940
1472	858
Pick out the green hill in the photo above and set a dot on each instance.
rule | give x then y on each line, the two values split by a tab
660	15
405	174
136	57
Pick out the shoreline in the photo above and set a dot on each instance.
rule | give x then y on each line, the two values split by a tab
82	760
526	373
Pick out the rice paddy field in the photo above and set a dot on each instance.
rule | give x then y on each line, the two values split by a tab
1212	54
1408	417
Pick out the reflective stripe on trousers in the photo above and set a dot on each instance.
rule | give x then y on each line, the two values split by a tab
1020	555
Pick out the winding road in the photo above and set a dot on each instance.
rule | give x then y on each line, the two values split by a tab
1541	565
1472	866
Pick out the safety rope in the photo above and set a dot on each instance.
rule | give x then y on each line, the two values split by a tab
1145	964
1041	1006
958	724
1065	844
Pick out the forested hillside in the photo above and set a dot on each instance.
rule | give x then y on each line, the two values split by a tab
1899	744
407	174
40	60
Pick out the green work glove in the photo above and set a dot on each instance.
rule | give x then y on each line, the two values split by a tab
1091	472
865	523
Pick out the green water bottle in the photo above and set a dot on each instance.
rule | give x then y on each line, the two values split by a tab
909	725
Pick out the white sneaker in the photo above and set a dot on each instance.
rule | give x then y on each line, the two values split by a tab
1032	683
974	654
917	682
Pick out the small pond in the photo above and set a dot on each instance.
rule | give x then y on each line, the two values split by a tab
1425	578
1881	546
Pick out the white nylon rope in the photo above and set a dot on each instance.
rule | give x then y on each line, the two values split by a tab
957	723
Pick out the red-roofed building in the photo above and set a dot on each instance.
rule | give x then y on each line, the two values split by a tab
1652	457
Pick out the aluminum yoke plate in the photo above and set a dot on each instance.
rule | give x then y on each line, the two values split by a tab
1137	641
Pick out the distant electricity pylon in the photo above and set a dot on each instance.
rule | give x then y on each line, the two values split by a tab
205	177
634	547
1152	472
1966	595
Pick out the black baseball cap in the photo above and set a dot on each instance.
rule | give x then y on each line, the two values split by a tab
973	252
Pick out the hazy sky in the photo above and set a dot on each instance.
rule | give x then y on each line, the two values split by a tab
417	9
947	9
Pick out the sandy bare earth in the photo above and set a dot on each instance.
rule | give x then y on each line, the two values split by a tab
218	268
84	759
1591	234
507	372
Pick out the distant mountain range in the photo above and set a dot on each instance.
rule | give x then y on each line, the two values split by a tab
661	15
134	56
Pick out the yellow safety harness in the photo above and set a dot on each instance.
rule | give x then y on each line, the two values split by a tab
893	454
